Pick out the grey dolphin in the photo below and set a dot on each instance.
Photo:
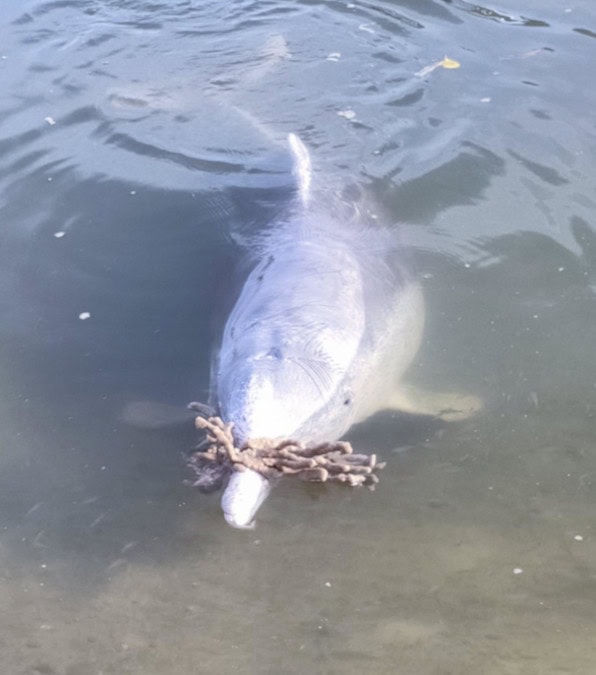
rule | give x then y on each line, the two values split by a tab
324	327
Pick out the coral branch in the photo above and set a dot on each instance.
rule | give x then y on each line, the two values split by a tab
321	463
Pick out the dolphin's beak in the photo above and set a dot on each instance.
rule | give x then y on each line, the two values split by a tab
244	494
238	524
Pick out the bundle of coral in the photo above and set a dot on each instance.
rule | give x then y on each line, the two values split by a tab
217	456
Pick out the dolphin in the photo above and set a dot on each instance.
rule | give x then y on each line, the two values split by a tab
323	329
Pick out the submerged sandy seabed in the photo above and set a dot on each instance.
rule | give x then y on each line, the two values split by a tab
463	560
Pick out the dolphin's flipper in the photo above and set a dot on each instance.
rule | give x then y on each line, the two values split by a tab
302	167
448	406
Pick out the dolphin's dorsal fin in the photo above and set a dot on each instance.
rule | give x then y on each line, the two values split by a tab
302	167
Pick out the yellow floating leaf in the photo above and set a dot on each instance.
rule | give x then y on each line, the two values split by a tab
445	63
450	63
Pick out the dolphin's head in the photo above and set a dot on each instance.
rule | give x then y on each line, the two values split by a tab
268	396
275	396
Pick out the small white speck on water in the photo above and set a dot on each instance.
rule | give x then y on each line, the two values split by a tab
98	520
104	467
44	566
334	56
133	192
83	316
578	537
490	487
517	570
366	28
50	179
328	584
59	235
33	509
467	265
561	269
128	547
486	99
117	563
50	120
347	114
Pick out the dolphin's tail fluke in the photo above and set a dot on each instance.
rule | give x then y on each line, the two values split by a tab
302	167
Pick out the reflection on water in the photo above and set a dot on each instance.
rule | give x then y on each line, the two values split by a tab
139	144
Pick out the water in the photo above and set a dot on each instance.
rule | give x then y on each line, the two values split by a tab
151	136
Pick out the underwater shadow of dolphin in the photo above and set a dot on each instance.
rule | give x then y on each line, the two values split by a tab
326	324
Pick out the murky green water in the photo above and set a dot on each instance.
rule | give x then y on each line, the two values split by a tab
138	141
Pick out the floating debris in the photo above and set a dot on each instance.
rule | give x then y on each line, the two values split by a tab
347	114
50	120
448	63
83	316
